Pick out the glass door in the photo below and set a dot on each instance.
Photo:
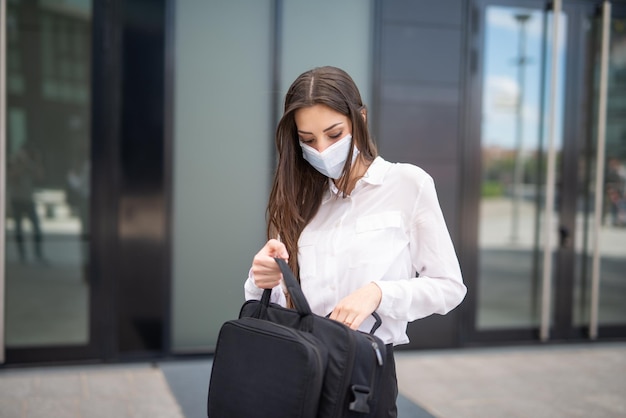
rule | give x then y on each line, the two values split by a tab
600	284
533	188
512	150
47	139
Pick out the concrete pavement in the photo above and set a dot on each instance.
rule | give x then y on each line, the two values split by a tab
580	380
111	391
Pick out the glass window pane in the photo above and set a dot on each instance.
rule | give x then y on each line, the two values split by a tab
48	178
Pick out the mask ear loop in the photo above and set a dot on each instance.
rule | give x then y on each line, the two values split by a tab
344	180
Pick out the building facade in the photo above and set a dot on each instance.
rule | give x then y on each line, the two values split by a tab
138	155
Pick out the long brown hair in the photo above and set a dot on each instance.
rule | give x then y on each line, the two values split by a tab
298	188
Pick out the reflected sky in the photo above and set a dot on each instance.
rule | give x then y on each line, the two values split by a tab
501	79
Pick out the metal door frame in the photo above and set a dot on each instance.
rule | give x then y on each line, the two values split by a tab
3	108
600	159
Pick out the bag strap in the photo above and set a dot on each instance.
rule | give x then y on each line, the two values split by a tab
377	322
294	289
298	298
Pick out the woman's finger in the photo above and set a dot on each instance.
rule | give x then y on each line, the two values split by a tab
265	271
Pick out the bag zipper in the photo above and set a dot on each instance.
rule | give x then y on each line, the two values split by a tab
379	355
380	361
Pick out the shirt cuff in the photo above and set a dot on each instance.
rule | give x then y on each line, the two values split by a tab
251	289
386	300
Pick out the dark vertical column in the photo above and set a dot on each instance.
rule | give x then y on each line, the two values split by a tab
143	271
106	99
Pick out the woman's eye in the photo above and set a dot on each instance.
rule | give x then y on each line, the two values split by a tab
335	136
306	141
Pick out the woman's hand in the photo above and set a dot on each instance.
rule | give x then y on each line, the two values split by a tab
356	307
265	270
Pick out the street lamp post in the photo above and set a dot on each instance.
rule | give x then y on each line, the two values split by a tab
518	169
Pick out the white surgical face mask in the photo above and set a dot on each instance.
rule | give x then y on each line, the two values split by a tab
330	162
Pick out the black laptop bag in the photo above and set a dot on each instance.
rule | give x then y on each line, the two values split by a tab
279	362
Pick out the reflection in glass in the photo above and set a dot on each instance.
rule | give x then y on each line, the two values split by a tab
48	124
612	309
512	166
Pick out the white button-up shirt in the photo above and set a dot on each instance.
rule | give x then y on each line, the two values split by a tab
389	231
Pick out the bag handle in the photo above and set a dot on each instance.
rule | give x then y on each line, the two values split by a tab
298	298
294	289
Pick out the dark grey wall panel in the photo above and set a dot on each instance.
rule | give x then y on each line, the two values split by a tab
420	54
419	94
446	177
417	132
418	114
446	12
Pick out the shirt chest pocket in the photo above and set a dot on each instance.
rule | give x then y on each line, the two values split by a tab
379	238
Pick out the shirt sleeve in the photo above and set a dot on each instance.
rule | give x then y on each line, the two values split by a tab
252	292
439	287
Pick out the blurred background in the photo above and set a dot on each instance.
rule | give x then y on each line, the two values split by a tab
138	154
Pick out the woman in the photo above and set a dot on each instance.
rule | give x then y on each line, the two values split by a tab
361	234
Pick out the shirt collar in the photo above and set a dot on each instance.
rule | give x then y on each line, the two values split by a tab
374	175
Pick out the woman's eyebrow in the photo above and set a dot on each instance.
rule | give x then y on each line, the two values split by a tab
325	130
332	126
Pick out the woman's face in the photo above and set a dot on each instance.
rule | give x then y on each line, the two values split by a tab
319	126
